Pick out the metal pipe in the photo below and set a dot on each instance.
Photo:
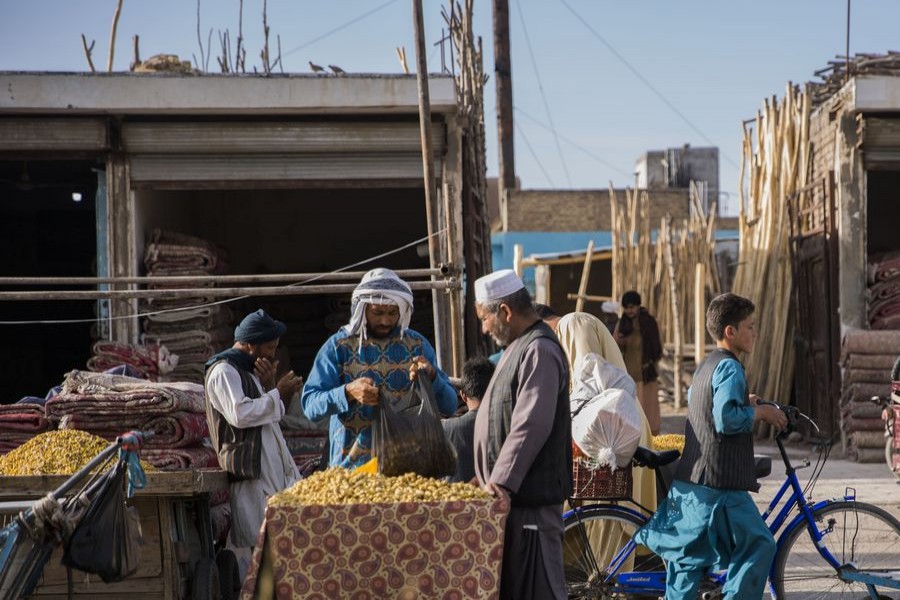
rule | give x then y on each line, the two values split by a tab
440	271
300	290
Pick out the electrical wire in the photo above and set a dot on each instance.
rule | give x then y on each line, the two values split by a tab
319	38
226	300
646	82
537	76
574	143
534	154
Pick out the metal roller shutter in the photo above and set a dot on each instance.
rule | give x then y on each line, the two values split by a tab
881	143
52	135
277	138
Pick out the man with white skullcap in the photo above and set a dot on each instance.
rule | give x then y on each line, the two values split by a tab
523	437
374	353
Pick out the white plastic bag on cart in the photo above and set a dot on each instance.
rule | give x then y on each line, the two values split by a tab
606	422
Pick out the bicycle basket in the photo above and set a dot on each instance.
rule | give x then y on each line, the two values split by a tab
601	482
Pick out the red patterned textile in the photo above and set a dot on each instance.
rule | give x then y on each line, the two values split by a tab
101	394
444	550
176	430
171	459
24	417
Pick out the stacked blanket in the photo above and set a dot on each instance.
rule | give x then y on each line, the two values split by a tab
194	329
866	360
148	362
20	422
107	405
884	291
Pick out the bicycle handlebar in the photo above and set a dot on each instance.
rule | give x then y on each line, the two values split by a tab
792	413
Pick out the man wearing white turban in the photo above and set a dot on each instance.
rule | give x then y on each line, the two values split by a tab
375	353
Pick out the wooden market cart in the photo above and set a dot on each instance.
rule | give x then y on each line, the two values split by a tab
178	557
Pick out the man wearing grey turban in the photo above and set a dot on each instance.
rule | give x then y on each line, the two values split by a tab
375	353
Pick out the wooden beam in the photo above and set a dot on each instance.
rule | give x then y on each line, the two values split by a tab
699	313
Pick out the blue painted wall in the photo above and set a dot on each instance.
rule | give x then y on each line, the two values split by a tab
539	242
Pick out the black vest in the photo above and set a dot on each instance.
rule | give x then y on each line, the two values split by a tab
239	449
710	458
549	480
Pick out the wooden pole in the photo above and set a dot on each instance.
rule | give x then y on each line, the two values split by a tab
441	271
676	314
425	127
518	257
503	81
585	275
441	325
699	313
300	290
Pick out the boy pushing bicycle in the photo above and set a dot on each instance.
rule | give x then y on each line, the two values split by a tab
708	521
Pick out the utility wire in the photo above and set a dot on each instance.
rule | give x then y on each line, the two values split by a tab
534	154
646	82
537	75
339	27
575	144
226	300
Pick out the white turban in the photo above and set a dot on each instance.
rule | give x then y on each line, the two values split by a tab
379	286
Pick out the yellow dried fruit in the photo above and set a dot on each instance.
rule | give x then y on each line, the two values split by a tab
668	441
58	452
342	486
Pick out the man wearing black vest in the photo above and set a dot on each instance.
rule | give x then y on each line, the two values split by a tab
709	521
523	438
244	405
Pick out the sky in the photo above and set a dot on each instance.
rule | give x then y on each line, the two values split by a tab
596	83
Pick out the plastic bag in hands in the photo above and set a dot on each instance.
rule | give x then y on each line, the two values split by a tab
107	540
409	438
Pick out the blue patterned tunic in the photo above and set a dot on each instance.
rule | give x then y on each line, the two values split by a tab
386	362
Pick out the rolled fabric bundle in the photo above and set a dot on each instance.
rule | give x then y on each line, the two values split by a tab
880	376
870	361
862	341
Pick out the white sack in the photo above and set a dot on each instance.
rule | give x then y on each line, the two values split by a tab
607	426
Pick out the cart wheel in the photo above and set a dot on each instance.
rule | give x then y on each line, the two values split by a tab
229	576
205	584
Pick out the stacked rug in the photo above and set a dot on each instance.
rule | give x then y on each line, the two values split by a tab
107	405
884	291
22	421
866	360
191	327
148	362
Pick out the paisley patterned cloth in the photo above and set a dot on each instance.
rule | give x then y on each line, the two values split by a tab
443	550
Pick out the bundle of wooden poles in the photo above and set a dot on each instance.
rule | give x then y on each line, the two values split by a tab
676	274
775	167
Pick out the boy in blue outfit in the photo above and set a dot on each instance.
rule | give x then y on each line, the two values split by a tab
709	522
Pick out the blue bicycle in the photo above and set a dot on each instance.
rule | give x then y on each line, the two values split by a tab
823	547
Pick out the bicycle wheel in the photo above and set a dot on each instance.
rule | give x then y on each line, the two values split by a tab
592	536
854	532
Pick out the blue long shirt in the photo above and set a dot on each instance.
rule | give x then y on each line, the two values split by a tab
386	361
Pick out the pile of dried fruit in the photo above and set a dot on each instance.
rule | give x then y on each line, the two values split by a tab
58	452
341	486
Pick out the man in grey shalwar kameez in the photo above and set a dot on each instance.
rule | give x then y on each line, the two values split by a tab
523	438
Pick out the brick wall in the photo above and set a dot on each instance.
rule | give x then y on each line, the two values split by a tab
583	210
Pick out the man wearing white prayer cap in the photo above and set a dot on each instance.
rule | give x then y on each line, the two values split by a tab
375	353
523	437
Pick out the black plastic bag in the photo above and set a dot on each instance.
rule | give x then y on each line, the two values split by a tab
408	435
107	540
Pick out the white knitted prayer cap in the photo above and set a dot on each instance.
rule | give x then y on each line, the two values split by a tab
497	285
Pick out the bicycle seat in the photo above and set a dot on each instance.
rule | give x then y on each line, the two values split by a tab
644	457
763	465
